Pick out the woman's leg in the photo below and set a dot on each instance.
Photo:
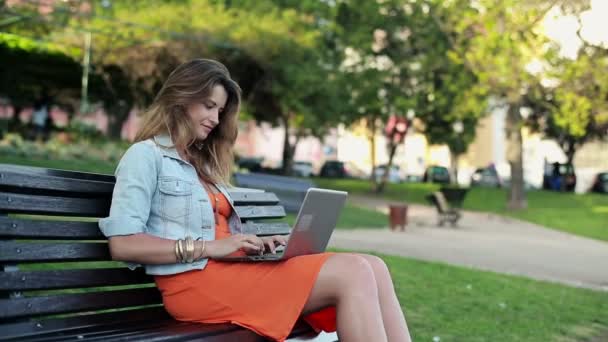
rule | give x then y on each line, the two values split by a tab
347	281
392	315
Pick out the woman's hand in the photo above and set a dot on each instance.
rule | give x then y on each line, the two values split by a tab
271	242
249	243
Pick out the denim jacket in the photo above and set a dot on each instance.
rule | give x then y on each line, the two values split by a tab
158	193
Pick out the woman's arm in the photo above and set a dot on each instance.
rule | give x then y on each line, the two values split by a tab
148	249
143	248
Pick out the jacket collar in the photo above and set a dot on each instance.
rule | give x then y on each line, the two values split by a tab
166	145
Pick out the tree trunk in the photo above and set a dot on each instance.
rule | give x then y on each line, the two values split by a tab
569	149
118	115
391	153
372	138
517	195
454	167
288	149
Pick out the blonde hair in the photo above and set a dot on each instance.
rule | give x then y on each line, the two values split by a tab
190	83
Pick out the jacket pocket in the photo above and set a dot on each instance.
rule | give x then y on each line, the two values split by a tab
175	197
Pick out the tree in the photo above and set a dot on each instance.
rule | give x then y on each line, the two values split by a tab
497	40
31	69
576	103
399	50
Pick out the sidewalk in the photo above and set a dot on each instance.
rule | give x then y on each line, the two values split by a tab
488	242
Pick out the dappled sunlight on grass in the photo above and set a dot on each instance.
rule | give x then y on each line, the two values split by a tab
600	210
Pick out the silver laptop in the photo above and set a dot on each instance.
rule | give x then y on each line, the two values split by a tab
313	228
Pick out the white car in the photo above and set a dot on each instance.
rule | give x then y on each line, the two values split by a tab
302	168
394	175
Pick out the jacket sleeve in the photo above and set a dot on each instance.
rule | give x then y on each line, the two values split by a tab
136	178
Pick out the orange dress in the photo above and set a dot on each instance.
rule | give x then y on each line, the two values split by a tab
266	297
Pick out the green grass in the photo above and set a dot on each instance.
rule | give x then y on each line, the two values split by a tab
580	214
353	217
460	304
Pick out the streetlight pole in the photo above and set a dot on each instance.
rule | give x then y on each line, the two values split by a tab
86	63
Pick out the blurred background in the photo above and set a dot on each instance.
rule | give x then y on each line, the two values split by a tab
388	99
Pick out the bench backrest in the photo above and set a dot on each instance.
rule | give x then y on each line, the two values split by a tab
455	196
441	202
56	261
290	190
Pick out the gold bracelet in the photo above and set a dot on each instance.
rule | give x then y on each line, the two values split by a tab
176	251
189	249
180	246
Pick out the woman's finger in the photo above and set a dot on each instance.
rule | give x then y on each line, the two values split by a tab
270	243
247	244
257	242
281	239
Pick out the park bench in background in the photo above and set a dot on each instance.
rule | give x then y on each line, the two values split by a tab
448	202
289	190
56	225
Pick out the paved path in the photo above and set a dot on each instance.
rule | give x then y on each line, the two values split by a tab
486	241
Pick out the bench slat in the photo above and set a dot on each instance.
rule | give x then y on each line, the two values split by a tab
38	229
52	205
42	171
260	212
178	331
47	327
266	228
14	252
66	279
254	198
68	303
148	322
29	183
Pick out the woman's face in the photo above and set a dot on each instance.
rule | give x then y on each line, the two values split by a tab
205	114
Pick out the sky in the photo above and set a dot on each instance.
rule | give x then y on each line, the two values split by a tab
563	28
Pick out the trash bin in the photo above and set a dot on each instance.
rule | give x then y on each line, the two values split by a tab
397	216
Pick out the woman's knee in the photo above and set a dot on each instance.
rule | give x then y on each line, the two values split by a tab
379	267
353	274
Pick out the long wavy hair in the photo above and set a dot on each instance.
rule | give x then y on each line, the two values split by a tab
189	83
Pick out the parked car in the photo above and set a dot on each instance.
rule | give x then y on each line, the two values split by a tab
334	169
302	168
252	164
394	175
600	184
436	174
486	176
559	177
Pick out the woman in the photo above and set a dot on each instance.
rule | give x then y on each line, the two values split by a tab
171	212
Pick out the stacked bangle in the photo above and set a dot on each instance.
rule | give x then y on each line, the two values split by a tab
185	250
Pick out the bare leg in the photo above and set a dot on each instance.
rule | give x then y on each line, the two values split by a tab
347	281
392	315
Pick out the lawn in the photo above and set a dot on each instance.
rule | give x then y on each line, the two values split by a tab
580	214
460	304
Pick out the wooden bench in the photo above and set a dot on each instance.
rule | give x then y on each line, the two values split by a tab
58	281
446	212
289	190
